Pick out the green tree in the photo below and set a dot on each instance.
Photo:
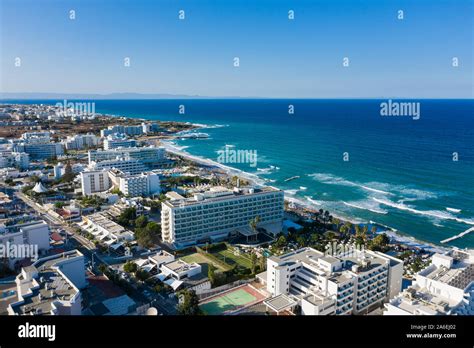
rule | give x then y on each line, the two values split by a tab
300	241
189	303
141	274
130	267
253	260
379	242
281	242
211	273
127	217
141	221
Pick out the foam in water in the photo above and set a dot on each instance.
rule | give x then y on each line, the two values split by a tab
432	213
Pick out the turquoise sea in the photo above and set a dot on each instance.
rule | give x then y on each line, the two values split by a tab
400	171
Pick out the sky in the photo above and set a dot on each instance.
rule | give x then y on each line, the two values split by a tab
279	58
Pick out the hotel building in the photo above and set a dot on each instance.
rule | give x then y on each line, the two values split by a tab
121	129
81	141
94	181
131	166
353	282
39	151
444	287
219	212
114	141
143	184
146	155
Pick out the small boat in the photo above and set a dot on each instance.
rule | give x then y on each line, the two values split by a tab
293	178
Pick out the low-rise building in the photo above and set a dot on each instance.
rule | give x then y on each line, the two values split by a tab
106	230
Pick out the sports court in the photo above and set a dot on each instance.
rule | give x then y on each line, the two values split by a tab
231	300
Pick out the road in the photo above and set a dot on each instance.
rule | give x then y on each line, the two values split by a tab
88	249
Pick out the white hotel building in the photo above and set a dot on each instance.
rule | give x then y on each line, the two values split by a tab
354	282
444	287
94	181
115	141
220	212
131	166
146	155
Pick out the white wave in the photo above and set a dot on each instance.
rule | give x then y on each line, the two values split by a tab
375	190
453	210
291	192
309	199
432	213
364	206
336	180
229	170
264	171
379	188
209	126
302	188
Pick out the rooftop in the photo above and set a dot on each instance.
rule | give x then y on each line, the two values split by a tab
216	194
49	286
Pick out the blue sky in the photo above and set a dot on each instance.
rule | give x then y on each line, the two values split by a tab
278	57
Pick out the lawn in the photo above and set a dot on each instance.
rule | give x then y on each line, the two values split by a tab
202	260
228	257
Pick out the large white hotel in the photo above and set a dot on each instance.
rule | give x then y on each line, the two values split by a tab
219	212
354	282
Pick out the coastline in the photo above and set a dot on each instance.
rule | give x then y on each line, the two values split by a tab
395	235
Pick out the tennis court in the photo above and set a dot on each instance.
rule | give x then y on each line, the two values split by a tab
232	300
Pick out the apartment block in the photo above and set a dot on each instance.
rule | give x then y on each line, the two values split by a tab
353	282
95	181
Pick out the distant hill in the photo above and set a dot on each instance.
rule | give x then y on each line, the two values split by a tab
103	96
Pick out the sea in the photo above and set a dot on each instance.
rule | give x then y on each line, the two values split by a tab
414	175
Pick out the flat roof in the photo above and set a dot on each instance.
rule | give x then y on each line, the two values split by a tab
225	195
280	302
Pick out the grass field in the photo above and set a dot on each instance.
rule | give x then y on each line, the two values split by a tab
202	260
228	302
228	257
